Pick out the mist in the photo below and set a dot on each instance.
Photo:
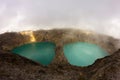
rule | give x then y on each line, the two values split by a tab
102	16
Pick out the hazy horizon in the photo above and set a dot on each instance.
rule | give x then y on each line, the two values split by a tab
102	16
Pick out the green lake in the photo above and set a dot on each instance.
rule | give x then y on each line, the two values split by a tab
78	54
83	54
41	52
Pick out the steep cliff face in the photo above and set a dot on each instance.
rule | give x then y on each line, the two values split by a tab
14	67
59	36
107	68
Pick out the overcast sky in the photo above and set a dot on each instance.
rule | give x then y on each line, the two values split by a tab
102	16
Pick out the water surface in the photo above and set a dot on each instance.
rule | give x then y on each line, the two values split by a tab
41	52
83	54
78	54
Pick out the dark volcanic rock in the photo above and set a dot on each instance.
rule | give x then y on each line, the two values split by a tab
107	68
10	40
14	67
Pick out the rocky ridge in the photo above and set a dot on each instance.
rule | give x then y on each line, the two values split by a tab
14	67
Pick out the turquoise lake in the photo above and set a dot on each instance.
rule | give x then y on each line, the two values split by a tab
83	54
78	54
41	52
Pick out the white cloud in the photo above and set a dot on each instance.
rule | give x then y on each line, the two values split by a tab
102	16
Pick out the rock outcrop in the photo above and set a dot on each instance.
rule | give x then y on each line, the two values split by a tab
107	68
15	67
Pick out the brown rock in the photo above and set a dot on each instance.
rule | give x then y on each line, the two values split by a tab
14	67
